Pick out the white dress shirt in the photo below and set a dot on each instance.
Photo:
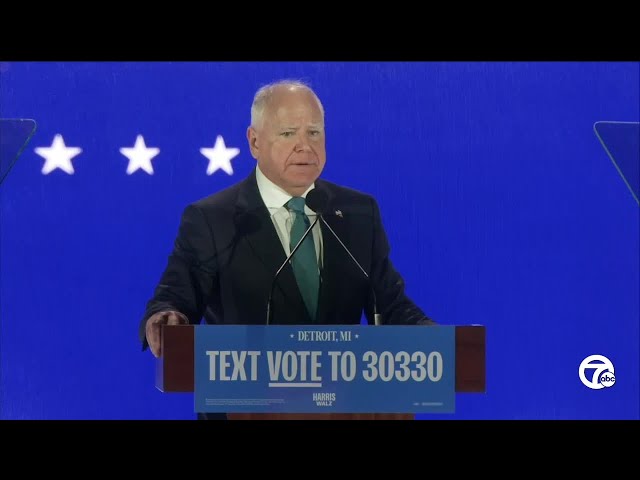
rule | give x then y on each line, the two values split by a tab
275	199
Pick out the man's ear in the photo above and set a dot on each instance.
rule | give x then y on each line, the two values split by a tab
252	138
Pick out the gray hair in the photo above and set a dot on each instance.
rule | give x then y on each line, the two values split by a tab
264	94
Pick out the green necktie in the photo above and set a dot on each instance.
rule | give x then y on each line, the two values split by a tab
304	261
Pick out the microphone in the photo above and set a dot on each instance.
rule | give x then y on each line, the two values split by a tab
318	200
377	318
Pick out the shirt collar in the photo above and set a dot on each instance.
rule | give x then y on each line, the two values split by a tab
273	196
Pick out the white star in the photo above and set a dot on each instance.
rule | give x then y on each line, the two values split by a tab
291	335
58	155
357	336
219	156
140	156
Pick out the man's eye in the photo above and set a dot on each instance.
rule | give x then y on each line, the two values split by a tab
286	134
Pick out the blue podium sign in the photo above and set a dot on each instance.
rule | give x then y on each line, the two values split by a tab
325	368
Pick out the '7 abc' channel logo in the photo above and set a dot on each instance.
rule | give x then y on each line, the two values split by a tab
603	374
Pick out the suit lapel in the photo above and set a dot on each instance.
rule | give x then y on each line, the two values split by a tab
255	224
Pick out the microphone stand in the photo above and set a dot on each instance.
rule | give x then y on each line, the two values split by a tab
273	282
377	318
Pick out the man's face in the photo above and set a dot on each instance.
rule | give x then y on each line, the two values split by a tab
289	145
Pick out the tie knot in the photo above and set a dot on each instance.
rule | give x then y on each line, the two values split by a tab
296	204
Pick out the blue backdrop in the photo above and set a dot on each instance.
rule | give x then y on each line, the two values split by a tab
501	206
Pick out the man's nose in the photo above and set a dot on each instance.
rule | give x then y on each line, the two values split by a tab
302	142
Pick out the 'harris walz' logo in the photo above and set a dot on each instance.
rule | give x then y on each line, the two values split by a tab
324	399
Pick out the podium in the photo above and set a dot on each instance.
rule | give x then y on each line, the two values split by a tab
175	371
15	134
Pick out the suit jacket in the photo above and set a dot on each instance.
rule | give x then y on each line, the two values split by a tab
227	252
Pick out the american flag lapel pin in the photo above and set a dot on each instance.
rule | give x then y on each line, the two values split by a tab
339	213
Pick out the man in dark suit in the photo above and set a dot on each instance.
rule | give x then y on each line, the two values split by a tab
230	244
